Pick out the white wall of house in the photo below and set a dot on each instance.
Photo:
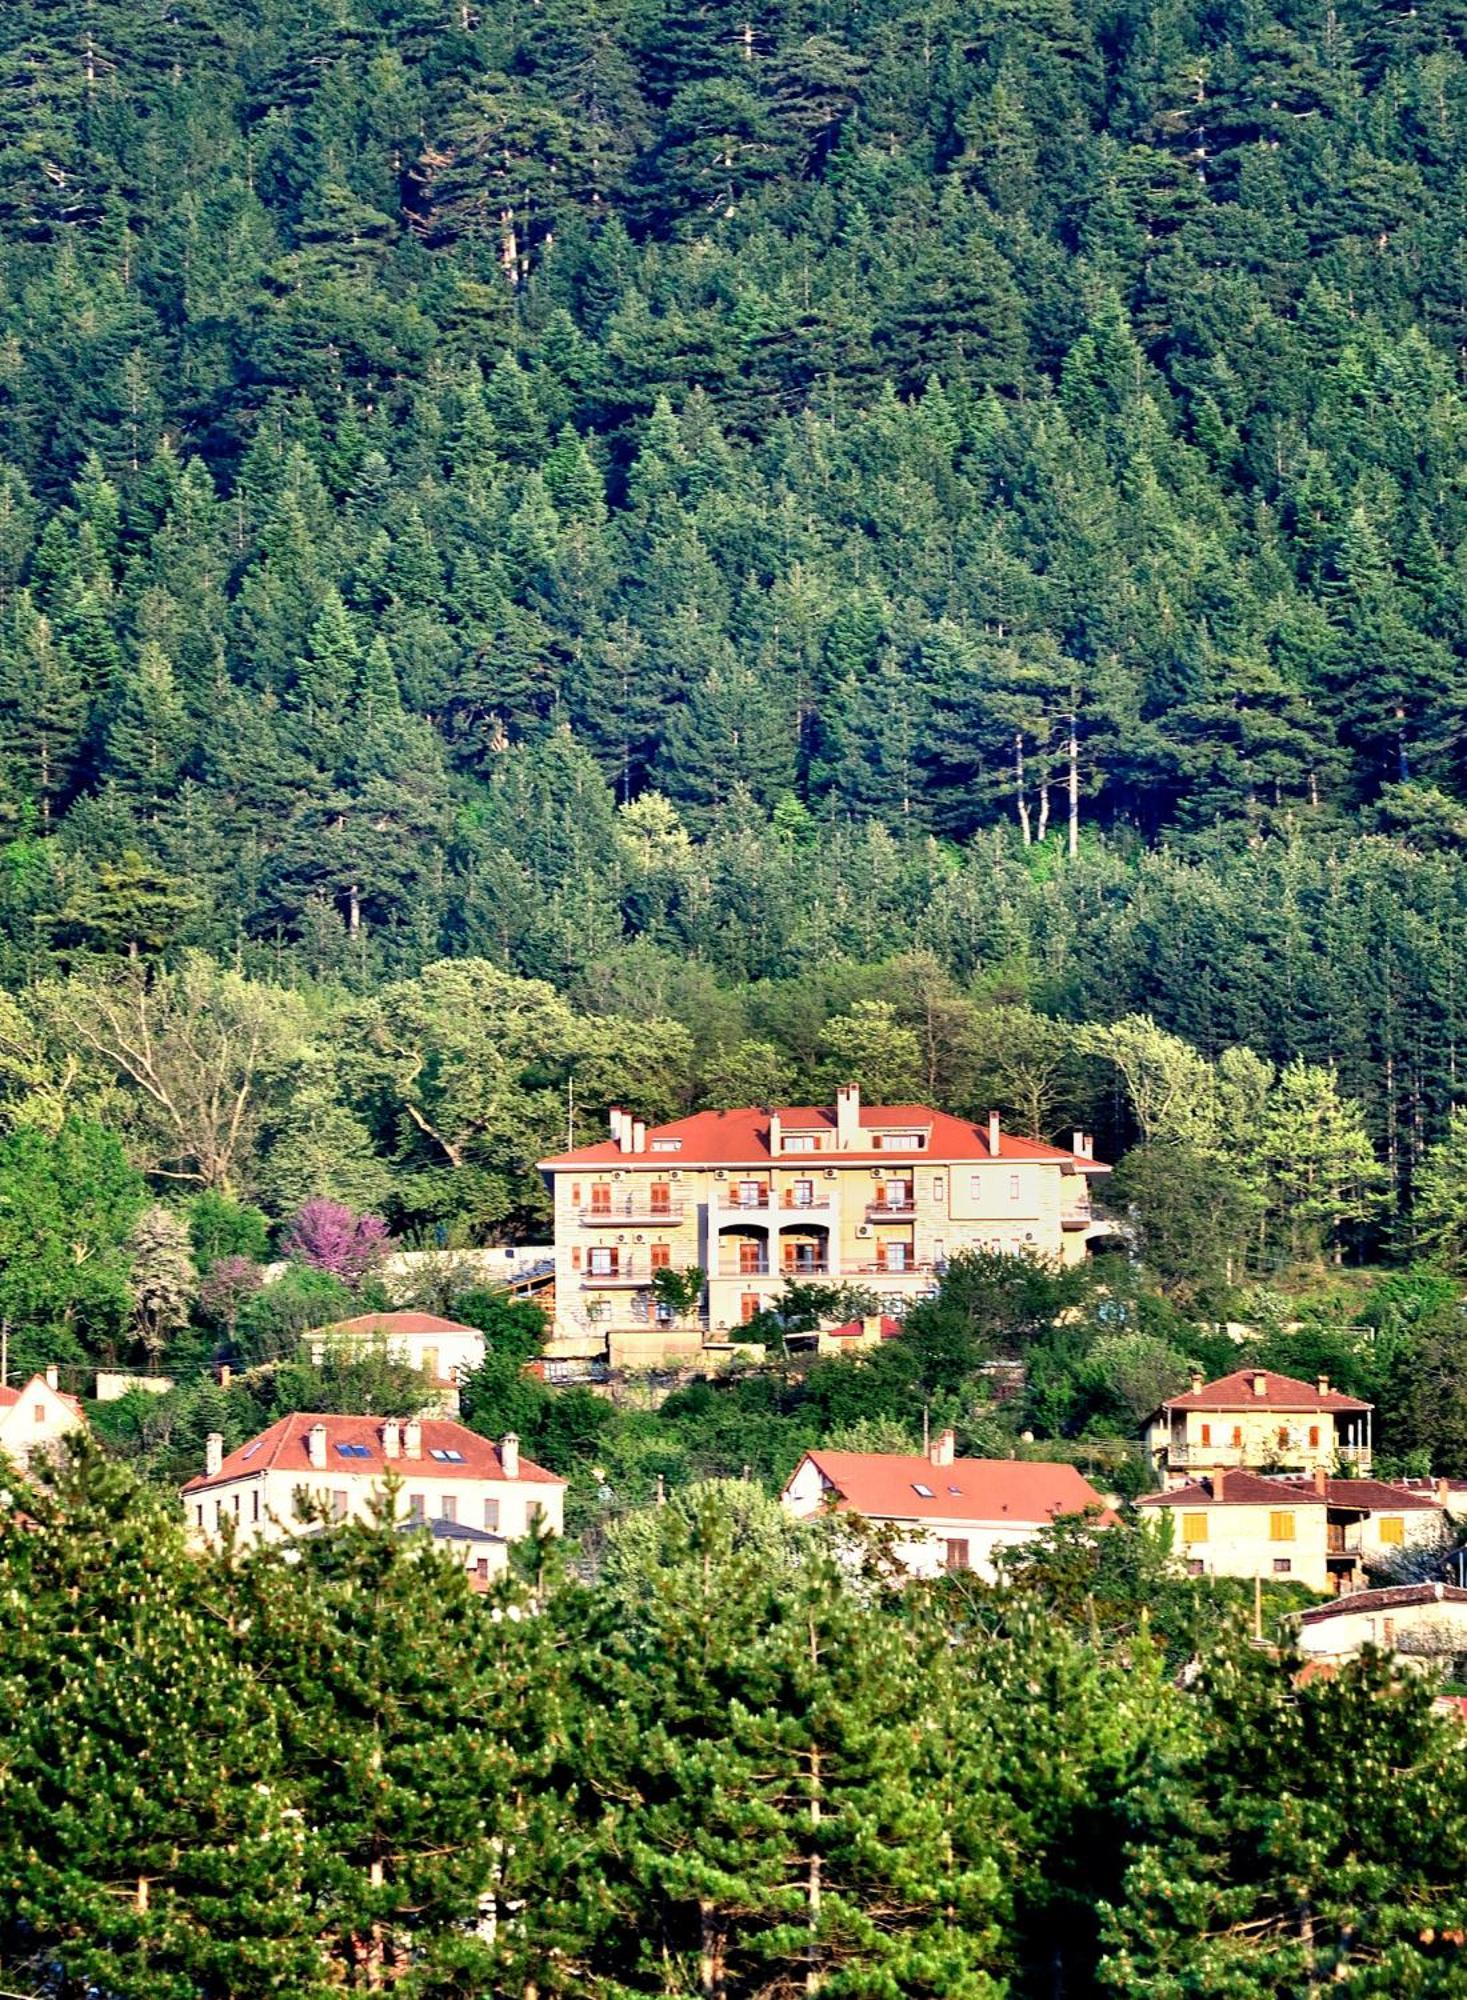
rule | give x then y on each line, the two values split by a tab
262	1506
36	1420
925	1548
1424	1634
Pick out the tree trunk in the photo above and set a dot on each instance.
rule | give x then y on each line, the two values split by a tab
1074	789
1021	799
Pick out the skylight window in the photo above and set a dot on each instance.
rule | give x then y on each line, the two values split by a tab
250	1451
453	1457
925	1492
667	1145
354	1451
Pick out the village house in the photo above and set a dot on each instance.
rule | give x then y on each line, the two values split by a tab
439	1349
473	1495
1424	1624
878	1196
950	1514
1317	1531
1257	1420
36	1417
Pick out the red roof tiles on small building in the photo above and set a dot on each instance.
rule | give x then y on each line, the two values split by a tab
854	1328
1239	1489
387	1323
284	1447
1394	1597
883	1486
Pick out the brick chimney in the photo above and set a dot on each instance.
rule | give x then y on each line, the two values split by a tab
1323	1385
316	1446
848	1117
1321	1481
995	1135
412	1438
391	1438
1196	1381
1219	1480
1443	1492
213	1455
1260	1385
509	1455
944	1446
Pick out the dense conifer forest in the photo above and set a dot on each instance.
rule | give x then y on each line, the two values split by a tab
759	486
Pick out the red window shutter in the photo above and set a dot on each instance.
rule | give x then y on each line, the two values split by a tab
575	1260
661	1257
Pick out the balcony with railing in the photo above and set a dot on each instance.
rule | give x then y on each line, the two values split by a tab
1077	1214
635	1208
628	1273
913	1268
892	1208
1203	1454
740	1267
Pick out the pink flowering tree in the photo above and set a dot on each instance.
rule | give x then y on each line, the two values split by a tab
329	1236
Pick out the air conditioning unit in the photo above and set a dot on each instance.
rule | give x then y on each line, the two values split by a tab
720	1175
829	1173
863	1229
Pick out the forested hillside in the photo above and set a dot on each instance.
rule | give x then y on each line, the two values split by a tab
761	483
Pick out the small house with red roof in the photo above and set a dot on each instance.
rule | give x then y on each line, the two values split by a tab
441	1349
1425	1624
950	1514
36	1417
878	1196
1258	1420
472	1495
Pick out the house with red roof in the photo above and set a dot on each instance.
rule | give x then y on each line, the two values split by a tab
473	1496
440	1349
1258	1420
1316	1529
878	1196
36	1417
1424	1624
950	1514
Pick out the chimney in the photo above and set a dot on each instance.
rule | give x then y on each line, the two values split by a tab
412	1438
391	1438
1323	1385
213	1455
614	1117
848	1117
995	1135
1321	1482
1219	1479
871	1326
639	1137
621	1130
1196	1381
1260	1385
53	1379
1443	1492
509	1455
1077	1145
943	1447
316	1446
226	1374
776	1135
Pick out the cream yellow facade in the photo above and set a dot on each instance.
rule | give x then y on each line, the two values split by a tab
1319	1531
1258	1420
877	1197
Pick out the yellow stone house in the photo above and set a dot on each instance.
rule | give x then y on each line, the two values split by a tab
873	1195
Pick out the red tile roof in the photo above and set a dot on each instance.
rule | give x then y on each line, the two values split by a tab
1240	1489
1280	1392
1376	1495
854	1328
1395	1597
284	1448
882	1485
395	1322
741	1138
